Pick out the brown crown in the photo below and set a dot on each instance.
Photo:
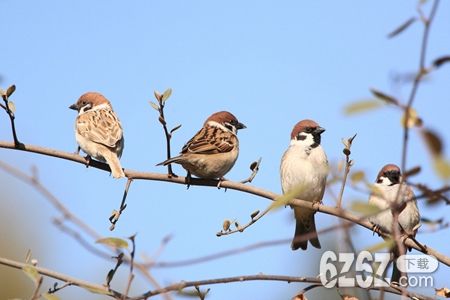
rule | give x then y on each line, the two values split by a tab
300	127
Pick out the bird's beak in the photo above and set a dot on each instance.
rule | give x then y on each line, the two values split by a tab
319	130
74	106
240	126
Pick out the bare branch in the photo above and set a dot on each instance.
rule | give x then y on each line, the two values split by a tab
225	184
116	214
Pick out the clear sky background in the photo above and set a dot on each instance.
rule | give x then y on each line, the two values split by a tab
270	63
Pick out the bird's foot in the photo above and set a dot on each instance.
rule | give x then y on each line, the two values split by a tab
87	158
188	180
219	183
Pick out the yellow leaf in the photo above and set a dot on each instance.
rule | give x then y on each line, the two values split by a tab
413	119
386	244
32	273
113	242
97	290
48	296
361	106
365	208
357	176
433	141
285	199
442	167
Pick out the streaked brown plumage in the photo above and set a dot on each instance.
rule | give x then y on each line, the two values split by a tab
98	130
213	150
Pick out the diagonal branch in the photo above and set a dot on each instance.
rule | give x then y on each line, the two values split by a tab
225	184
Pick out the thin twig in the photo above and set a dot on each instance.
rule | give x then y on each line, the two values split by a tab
254	166
261	277
116	214
37	290
253	220
421	72
348	165
62	277
131	275
11	115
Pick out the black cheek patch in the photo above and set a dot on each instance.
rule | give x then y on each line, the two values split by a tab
301	137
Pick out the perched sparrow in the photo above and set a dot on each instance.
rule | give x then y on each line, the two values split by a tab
387	191
304	166
212	152
98	131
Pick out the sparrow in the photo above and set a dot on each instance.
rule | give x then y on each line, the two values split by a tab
304	166
391	194
212	152
98	131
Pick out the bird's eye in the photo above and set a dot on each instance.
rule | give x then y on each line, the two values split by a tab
308	129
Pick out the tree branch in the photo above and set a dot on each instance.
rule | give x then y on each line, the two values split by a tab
225	184
97	288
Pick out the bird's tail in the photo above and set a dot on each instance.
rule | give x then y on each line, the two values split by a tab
305	226
114	164
169	161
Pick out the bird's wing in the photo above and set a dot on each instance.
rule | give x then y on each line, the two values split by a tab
210	140
101	126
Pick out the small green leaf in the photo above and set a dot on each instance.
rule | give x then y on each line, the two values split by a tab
32	273
10	90
286	198
166	94
11	106
361	106
386	244
442	167
386	98
113	242
2	92
154	105
48	296
365	208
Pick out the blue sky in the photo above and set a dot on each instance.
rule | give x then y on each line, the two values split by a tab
271	64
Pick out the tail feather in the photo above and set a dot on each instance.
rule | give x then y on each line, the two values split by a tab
114	164
305	225
169	161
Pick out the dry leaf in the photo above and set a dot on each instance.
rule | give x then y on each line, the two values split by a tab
402	27
382	96
413	118
433	141
113	242
361	106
